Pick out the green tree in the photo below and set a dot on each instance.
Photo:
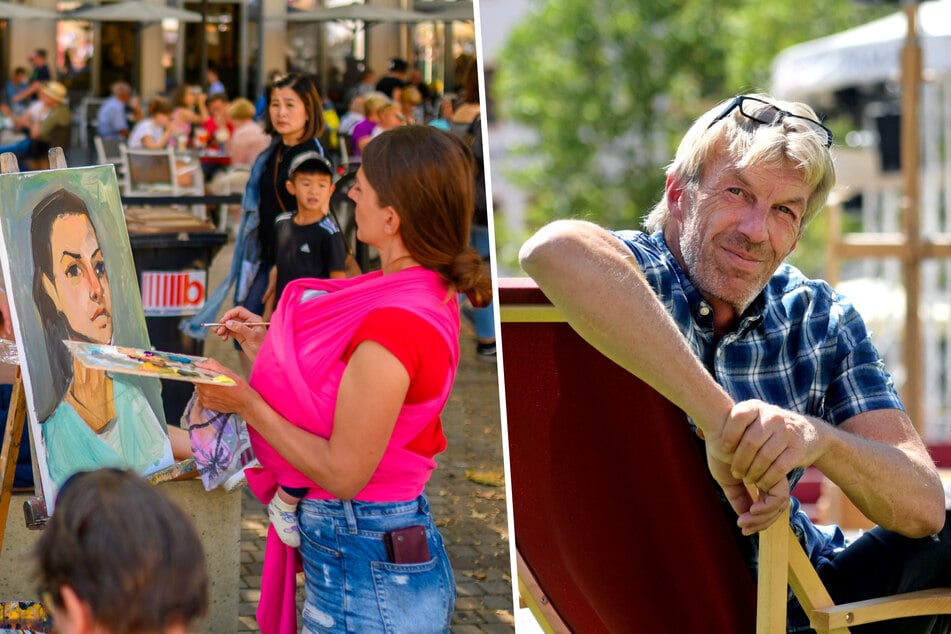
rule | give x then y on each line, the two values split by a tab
609	88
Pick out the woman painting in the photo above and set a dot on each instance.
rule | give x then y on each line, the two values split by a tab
345	396
98	420
295	120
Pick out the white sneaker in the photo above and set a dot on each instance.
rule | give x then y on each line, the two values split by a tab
283	518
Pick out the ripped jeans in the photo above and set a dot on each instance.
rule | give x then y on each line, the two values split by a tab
351	587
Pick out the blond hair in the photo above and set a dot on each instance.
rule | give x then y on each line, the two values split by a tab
241	109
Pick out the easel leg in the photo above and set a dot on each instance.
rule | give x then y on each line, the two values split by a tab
16	416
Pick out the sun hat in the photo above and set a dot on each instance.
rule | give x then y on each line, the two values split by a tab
54	90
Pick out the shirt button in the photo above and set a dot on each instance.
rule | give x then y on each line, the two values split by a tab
704	310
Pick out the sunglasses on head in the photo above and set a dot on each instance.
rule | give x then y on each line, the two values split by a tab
765	113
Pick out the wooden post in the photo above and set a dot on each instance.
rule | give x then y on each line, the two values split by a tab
909	245
911	218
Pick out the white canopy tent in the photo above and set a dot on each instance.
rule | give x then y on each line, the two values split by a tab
866	54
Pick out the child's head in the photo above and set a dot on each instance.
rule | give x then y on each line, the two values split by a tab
160	109
310	181
120	554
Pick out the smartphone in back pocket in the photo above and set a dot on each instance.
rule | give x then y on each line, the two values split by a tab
407	545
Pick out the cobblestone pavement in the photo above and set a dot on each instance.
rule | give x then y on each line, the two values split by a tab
466	491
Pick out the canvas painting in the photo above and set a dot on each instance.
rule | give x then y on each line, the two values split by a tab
70	275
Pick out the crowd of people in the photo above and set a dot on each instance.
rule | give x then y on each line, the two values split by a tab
36	110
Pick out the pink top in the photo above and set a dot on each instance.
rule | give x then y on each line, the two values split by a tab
304	348
246	143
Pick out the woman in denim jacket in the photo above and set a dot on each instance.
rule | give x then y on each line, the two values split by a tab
295	120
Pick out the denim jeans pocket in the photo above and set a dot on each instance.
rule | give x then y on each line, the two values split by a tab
414	597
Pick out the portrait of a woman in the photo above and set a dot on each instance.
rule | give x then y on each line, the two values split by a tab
97	419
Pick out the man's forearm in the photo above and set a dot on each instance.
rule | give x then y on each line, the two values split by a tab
882	465
593	279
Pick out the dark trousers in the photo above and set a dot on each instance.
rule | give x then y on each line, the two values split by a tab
881	563
23	475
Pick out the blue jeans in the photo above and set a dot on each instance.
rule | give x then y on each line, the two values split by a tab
483	318
19	148
351	587
23	474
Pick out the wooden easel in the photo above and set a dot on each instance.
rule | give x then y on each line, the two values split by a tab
34	508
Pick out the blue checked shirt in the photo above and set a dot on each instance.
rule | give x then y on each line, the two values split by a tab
800	346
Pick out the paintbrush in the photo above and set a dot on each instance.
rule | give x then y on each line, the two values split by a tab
216	324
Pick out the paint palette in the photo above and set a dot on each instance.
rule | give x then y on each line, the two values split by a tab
141	362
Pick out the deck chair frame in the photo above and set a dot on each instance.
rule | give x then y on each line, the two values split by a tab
782	560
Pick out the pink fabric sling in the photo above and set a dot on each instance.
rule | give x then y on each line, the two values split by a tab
298	372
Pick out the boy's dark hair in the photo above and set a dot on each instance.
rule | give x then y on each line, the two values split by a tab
126	550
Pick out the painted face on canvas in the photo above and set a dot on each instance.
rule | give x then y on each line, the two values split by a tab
79	287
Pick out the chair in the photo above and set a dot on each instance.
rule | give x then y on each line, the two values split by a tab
107	151
158	173
229	181
348	162
616	516
38	154
88	118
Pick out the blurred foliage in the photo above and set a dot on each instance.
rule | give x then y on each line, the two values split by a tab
609	88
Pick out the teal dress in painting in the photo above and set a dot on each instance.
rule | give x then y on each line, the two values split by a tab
135	439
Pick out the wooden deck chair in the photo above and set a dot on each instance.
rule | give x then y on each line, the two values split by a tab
616	516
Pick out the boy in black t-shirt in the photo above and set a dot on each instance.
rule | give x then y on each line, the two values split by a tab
307	243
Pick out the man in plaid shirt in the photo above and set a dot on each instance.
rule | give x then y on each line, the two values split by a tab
797	379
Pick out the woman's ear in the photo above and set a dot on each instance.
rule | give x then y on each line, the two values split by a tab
391	224
50	289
